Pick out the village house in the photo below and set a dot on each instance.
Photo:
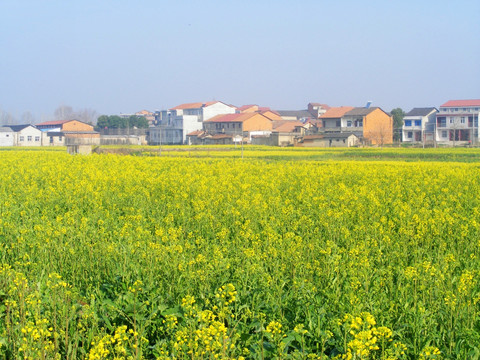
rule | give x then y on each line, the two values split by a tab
284	133
7	136
457	122
331	120
174	124
239	124
26	135
373	125
329	140
68	132
419	125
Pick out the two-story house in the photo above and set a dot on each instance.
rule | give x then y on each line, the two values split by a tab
457	122
331	120
243	124
68	132
174	124
373	125
419	125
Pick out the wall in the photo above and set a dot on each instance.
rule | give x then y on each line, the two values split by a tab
257	122
216	109
378	128
7	138
23	136
76	125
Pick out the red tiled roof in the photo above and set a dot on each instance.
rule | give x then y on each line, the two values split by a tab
461	103
336	112
55	122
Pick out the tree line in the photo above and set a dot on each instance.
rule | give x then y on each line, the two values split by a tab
119	122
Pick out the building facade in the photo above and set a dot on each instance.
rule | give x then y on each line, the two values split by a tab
418	125
457	122
174	124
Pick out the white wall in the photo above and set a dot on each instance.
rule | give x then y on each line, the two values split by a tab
218	108
7	138
29	136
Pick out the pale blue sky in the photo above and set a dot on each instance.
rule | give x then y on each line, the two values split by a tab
124	56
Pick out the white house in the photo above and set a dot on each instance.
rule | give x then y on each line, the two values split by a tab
27	135
7	136
457	122
177	122
418	125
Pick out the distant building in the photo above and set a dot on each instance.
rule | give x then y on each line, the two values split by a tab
419	125
26	135
68	132
7	136
457	122
373	125
174	124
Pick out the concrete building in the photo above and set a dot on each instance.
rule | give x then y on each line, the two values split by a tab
26	135
373	125
457	122
68	132
7	136
174	124
418	125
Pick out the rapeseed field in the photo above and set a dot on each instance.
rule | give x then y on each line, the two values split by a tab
217	257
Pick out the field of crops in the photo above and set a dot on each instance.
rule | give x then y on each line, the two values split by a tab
285	254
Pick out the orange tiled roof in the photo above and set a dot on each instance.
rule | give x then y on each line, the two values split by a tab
336	112
196	105
287	126
232	117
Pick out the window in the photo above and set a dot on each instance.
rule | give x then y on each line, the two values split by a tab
22	138
444	133
462	120
418	122
337	123
409	135
451	120
29	138
37	138
59	138
349	123
408	122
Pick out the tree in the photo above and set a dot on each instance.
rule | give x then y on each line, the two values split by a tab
398	115
86	115
63	112
118	122
27	118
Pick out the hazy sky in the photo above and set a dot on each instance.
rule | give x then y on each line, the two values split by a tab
124	56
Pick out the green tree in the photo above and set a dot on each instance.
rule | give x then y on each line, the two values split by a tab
398	115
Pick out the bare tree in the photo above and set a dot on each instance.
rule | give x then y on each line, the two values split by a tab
27	118
87	115
381	135
6	118
63	112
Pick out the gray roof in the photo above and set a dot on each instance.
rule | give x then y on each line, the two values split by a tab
297	113
5	129
18	128
361	111
343	135
421	111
